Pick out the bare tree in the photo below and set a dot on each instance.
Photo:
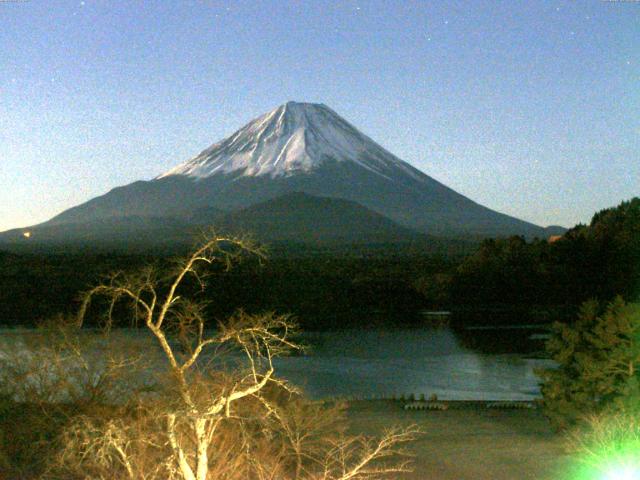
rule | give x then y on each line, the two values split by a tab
228	422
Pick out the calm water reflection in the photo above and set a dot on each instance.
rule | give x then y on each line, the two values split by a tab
388	362
409	361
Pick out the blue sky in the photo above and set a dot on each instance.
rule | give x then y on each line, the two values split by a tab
531	108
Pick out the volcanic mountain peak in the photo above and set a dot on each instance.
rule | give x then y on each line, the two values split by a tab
293	138
298	147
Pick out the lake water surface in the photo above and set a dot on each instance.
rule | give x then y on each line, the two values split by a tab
393	362
374	363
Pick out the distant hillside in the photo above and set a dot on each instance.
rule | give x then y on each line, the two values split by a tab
133	234
599	260
292	222
609	249
301	217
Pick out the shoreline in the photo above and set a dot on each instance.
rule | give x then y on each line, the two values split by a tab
469	441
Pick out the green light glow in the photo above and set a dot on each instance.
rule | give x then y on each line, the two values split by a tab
623	473
619	462
608	448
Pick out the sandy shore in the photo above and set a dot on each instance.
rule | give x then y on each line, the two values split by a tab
470	442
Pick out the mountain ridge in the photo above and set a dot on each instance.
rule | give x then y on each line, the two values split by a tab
293	218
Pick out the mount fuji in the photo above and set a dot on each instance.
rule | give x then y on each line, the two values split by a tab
298	148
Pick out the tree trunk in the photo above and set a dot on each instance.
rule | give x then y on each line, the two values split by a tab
183	465
202	459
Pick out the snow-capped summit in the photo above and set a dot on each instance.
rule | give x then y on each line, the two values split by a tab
295	137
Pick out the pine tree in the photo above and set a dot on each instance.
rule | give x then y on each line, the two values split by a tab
598	361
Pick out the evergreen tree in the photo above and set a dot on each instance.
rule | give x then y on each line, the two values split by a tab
598	363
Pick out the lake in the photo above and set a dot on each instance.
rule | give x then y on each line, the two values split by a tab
394	362
452	364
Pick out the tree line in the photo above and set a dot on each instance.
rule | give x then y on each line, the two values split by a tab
361	288
329	289
596	261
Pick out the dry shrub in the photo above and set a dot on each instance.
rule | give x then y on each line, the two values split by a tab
292	439
60	363
48	377
280	436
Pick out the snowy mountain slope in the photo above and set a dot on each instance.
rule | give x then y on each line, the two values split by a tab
293	138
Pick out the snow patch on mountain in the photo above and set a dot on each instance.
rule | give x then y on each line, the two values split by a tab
293	138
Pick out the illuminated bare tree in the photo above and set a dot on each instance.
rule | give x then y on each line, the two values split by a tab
275	434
